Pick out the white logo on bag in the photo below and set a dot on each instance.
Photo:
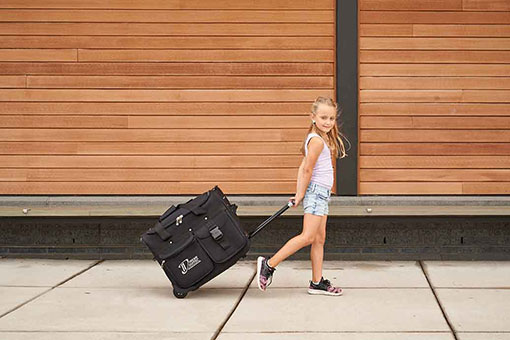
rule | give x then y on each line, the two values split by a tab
188	264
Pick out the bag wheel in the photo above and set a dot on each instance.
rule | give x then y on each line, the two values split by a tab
180	295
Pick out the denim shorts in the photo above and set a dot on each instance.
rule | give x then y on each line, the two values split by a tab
316	200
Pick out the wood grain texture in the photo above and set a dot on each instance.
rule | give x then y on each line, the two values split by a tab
159	97
150	148
434	109
153	122
160	15
429	83
435	148
150	135
433	17
162	95
143	29
406	5
434	97
441	43
170	4
173	68
435	70
162	109
167	42
142	188
181	82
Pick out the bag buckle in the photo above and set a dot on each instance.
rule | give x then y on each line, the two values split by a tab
178	220
216	233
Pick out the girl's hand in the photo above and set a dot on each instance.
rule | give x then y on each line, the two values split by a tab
297	200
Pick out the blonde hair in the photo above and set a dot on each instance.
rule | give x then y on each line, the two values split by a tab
333	137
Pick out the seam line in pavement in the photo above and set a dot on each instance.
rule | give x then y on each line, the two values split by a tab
220	328
437	300
50	289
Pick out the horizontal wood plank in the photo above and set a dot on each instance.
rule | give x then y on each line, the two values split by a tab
450	136
145	188
147	175
180	42
480	96
435	162
134	29
395	96
150	148
440	123
493	5
181	15
466	96
187	108
420	188
188	56
494	188
434	175
464	44
454	70
12	81
406	5
150	162
434	109
155	122
192	82
462	30
174	68
433	17
430	149
432	83
150	135
38	55
162	95
386	30
170	4
410	188
420	57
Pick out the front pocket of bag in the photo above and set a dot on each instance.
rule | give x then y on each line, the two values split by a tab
188	264
225	247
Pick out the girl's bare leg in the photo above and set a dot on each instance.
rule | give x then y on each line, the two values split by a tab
311	226
317	250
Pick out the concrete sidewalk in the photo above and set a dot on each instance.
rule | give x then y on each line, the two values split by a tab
133	300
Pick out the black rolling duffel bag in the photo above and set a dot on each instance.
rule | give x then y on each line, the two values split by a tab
198	240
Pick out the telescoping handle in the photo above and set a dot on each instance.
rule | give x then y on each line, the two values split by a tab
266	222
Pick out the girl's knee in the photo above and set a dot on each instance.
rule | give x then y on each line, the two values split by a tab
320	239
307	239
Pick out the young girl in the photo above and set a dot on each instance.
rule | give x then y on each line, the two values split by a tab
314	183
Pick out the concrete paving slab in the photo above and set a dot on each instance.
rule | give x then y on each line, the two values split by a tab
148	274
358	310
477	310
483	336
376	274
11	297
103	336
117	310
336	336
39	273
460	274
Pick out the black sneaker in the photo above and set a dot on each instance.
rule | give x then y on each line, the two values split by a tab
324	287
264	273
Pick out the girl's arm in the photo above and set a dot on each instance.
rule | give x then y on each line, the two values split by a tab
315	146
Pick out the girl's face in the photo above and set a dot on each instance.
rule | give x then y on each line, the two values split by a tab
325	117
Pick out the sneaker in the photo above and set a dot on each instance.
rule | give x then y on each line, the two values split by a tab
264	273
324	287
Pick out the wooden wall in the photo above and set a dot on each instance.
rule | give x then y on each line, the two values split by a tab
159	96
434	96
